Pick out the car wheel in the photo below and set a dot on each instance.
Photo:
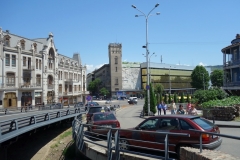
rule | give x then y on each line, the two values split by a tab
124	144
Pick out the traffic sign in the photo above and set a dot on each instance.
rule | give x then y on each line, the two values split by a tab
147	87
88	98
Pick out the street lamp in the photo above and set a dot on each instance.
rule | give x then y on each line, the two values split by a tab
146	17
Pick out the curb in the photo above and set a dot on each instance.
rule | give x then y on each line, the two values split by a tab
227	126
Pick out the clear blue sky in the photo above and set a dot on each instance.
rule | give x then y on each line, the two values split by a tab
186	32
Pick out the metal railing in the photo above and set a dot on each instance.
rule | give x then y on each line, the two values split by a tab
80	136
14	127
29	85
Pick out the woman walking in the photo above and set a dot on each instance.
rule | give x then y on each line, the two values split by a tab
173	107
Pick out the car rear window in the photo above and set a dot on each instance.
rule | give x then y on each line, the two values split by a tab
95	109
203	123
103	117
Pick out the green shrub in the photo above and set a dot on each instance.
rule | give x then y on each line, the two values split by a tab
230	101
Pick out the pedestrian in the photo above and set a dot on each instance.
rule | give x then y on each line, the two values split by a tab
173	107
159	107
180	110
164	107
192	111
189	106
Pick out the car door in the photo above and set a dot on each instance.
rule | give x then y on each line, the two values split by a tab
148	125
167	125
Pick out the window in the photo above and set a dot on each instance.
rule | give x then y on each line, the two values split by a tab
75	88
26	78
116	81
13	60
60	88
38	80
149	124
7	61
234	54
79	87
10	80
22	44
40	64
24	61
204	124
70	88
116	60
7	40
168	124
185	125
36	63
116	69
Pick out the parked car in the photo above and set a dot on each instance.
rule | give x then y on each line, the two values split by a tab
79	104
95	109
173	124
104	119
90	104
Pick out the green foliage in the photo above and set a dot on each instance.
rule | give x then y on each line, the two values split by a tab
200	78
188	98
202	96
169	98
104	91
175	98
161	98
217	78
158	88
153	101
165	98
145	106
230	101
93	86
182	98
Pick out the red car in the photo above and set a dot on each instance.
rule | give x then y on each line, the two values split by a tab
175	124
104	119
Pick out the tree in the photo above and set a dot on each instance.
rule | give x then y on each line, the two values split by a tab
169	98
200	78
93	86
153	101
165	98
182	98
104	91
158	89
175	98
217	78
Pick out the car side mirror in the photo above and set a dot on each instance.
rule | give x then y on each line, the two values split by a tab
138	128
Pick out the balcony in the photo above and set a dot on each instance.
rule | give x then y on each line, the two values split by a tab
6	86
29	86
232	63
50	86
29	68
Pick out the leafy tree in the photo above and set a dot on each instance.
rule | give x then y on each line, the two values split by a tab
182	98
200	78
145	106
175	98
94	86
188	98
161	98
217	78
165	98
169	98
153	101
104	91
158	89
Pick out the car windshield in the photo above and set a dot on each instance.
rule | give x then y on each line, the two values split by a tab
103	117
95	109
203	123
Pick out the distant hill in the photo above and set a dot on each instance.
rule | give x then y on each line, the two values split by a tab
215	67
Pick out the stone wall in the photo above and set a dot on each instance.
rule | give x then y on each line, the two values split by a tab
188	153
222	113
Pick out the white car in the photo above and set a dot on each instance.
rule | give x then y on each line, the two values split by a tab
108	102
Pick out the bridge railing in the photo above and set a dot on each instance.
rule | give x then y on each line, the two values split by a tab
81	135
16	126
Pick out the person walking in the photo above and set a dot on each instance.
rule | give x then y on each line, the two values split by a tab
173	107
164	107
192	111
159	107
180	110
189	106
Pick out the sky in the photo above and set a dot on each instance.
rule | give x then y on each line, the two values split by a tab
186	32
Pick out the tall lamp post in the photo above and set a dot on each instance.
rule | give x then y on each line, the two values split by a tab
150	65
146	17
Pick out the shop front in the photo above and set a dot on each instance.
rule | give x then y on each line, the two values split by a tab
26	99
38	98
10	100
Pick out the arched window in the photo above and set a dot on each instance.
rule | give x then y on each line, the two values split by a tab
7	40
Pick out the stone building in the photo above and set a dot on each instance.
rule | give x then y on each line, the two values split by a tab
231	62
32	72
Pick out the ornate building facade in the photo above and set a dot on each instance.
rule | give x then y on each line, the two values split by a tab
34	72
